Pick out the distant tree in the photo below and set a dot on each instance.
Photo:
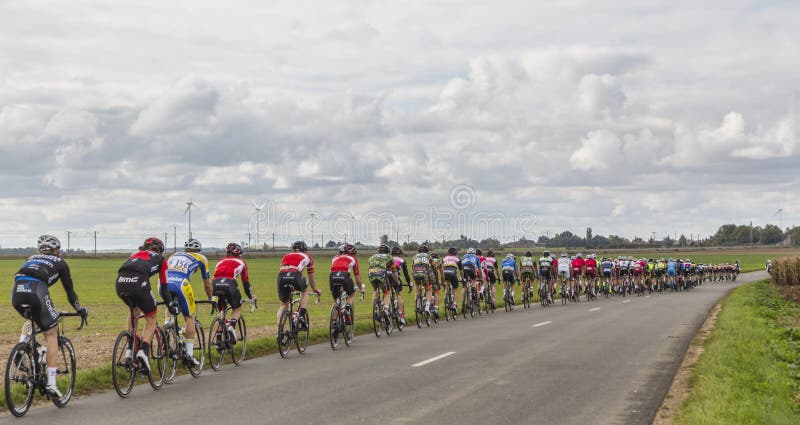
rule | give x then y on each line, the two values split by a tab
682	241
771	235
489	243
589	237
331	244
385	239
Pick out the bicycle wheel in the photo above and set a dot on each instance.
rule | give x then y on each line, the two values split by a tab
448	300
217	338
349	326
173	352
65	371
199	350
239	350
418	311
465	300
386	322
122	371
333	331
158	360
301	339
377	314
19	379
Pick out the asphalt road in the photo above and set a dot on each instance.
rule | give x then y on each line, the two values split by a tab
609	361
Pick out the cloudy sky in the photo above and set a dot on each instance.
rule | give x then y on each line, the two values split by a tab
627	116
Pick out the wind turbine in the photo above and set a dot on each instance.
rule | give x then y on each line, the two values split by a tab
188	211
779	213
258	218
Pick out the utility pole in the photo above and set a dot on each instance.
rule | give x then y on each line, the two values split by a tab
751	232
273	241
175	237
95	243
68	237
248	240
166	240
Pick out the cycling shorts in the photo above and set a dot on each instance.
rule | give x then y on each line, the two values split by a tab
340	280
527	275
35	293
508	276
671	273
452	278
591	273
379	280
492	277
469	273
289	281
227	292
184	294
134	290
607	273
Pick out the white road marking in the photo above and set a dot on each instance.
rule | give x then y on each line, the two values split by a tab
626	301
433	359
594	309
542	324
647	296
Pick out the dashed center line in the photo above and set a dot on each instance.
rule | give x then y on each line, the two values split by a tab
542	324
594	309
433	359
626	301
647	296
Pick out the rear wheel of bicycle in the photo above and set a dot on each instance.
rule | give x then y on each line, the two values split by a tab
349	326
239	350
173	352
465	303
302	335
377	317
122	371
284	333
65	371
199	350
333	328
216	343
19	380
474	307
158	360
418	311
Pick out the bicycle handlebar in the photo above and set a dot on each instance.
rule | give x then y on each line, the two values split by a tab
253	302
84	320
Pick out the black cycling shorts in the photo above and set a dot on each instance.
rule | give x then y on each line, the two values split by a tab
288	281
339	280
227	292
452	278
34	293
396	284
508	276
469	273
135	291
492	277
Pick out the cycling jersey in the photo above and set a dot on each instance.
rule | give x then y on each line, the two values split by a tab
343	263
133	281
577	266
564	266
49	269
490	265
296	262
31	285
471	261
509	264
231	268
400	264
380	267
181	267
421	267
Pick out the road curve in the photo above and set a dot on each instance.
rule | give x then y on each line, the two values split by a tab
560	365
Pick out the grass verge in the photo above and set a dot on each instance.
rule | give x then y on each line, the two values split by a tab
750	370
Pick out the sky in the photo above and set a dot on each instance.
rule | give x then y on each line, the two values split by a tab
418	119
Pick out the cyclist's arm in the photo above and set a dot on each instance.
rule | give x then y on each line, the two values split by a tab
66	282
405	272
206	277
357	273
166	295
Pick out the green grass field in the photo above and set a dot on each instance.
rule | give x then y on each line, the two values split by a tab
749	371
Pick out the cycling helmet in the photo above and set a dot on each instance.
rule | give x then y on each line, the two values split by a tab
489	253
153	244
383	249
563	255
478	252
234	249
435	255
546	253
452	251
397	251
471	251
572	258
510	255
193	245
349	249
300	246
48	244
341	249
528	254
579	255
423	248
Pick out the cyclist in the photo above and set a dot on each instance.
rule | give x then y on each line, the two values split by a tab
608	271
637	271
577	272
564	265
180	268
489	264
31	287
471	264
547	267
451	269
381	266
672	271
422	267
225	287
591	273
341	265
528	270
510	276
133	287
290	277
482	275
400	264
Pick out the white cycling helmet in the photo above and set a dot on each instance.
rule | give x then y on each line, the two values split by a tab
471	251
193	245
563	255
579	255
510	255
48	243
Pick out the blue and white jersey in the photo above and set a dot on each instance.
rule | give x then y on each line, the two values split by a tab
672	267
509	264
471	261
182	265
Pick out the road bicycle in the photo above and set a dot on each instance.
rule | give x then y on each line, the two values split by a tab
450	312
341	319
488	299
563	293
26	369
508	295
175	341
125	366
526	294
381	318
220	340
420	313
289	330
469	299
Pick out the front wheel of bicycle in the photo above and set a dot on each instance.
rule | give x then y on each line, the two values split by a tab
301	339
122	372
239	350
216	343
377	317
158	360
349	326
199	350
173	352
19	380
65	371
333	330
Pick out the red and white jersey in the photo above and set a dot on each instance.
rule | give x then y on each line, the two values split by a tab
591	264
577	264
638	266
231	268
343	263
297	262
